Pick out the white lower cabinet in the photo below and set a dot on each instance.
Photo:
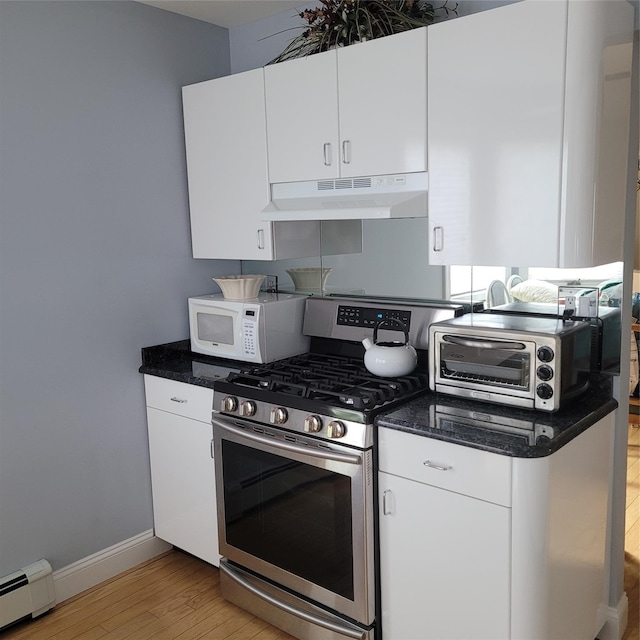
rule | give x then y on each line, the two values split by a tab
480	546
182	467
444	556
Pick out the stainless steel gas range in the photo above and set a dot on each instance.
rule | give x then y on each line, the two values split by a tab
295	471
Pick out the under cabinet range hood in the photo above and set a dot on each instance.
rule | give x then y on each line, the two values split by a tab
371	197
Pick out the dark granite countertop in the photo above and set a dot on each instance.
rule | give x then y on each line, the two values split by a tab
505	430
176	361
520	433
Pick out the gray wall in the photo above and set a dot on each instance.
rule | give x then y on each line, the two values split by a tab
95	260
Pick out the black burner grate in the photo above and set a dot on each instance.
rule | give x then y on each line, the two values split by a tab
333	380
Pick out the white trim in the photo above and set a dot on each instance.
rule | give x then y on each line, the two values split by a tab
616	620
94	569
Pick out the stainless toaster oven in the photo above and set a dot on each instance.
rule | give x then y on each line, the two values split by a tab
535	363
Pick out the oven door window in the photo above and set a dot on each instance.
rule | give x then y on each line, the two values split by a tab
491	367
292	515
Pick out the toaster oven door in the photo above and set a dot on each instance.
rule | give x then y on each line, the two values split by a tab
484	368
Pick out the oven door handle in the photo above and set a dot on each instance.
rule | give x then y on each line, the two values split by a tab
294	611
324	454
483	343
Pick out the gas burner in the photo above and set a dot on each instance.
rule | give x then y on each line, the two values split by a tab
339	381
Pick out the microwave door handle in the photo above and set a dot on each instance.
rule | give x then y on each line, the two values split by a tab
484	344
324	454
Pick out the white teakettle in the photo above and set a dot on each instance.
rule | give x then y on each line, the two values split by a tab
389	359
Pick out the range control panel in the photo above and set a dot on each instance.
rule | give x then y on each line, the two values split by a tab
356	316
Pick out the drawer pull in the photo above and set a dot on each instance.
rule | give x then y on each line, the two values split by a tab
435	465
180	400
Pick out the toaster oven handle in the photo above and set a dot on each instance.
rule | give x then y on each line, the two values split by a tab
324	454
484	343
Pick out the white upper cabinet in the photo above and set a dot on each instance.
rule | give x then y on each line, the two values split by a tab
355	111
226	147
528	129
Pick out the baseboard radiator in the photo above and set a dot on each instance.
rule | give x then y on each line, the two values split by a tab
27	593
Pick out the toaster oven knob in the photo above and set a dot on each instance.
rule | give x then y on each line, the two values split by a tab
312	424
545	372
278	415
336	429
544	391
545	354
248	408
229	404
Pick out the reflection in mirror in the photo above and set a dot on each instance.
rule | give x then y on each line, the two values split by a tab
592	295
393	262
387	258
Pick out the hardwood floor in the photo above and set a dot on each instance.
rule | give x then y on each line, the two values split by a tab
177	597
632	533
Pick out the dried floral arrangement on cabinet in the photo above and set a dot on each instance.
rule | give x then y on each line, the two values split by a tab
339	23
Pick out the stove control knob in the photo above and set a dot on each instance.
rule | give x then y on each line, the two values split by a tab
312	424
248	408
336	429
229	404
278	415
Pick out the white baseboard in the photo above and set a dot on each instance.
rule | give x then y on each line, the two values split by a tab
617	619
94	569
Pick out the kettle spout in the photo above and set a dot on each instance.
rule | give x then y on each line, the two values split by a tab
367	343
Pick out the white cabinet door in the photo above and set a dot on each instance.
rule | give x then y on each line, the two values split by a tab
302	118
528	135
183	483
357	111
382	89
226	146
444	564
495	112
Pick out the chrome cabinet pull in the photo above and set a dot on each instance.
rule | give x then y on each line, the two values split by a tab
435	465
346	151
260	238
388	503
180	400
326	152
438	238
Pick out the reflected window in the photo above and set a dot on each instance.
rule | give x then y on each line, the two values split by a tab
466	282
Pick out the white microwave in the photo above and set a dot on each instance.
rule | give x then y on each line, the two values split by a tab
262	329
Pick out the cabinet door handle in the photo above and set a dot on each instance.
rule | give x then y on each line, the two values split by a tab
388	504
180	400
438	238
260	238
346	151
211	448
326	153
435	465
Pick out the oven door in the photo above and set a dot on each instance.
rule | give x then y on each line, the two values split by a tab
298	512
485	368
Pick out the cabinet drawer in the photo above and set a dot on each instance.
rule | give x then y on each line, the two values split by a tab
471	472
180	398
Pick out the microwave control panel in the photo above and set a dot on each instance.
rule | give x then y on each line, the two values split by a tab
250	332
355	316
